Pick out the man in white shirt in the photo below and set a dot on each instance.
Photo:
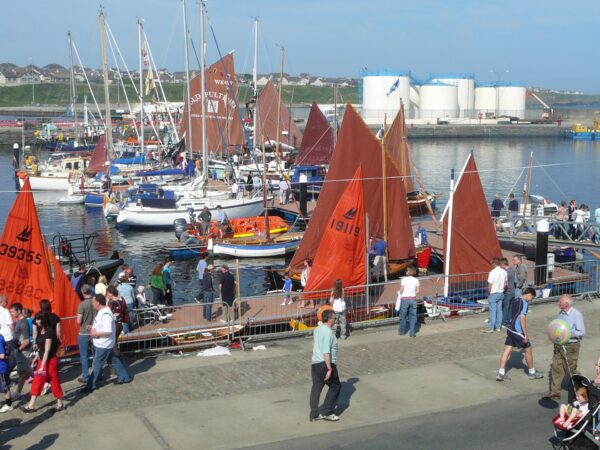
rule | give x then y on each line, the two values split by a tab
103	333
6	321
497	280
283	191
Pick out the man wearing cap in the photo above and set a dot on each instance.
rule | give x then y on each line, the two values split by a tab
208	292
564	359
206	217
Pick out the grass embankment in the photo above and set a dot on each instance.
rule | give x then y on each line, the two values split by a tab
58	94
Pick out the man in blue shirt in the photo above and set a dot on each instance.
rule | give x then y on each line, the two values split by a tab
564	359
512	213
324	369
516	336
378	249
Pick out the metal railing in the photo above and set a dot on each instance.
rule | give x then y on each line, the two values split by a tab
267	317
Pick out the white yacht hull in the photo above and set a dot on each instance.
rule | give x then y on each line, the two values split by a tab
47	182
134	215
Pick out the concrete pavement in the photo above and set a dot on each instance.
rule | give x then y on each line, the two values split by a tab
259	397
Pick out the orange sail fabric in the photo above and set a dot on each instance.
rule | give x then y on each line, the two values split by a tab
24	268
357	147
64	304
223	121
342	252
268	102
474	240
317	141
396	144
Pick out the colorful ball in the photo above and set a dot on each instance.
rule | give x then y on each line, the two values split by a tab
558	332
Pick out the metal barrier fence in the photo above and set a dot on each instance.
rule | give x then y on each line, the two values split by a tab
188	326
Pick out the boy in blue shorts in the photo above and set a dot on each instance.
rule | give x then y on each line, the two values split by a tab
287	290
516	336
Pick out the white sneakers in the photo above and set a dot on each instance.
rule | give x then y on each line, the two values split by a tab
6	408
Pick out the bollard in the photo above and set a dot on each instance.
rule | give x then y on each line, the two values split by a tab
541	252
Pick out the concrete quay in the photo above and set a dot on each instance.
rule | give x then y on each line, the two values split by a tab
260	398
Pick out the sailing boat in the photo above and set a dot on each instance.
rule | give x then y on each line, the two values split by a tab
395	141
25	272
317	141
388	214
470	241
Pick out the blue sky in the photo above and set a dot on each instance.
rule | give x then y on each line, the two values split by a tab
548	44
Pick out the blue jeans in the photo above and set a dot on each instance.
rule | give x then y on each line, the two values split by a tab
100	357
207	299
408	308
495	304
518	292
84	341
506	309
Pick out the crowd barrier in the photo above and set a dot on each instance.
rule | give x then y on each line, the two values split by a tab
267	317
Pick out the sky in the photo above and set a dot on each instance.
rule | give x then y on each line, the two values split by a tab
547	44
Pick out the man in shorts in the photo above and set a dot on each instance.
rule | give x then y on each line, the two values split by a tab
517	337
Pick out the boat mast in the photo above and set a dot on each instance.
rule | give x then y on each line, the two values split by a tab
527	185
141	65
279	110
203	91
73	93
449	236
256	139
335	121
189	142
384	181
107	117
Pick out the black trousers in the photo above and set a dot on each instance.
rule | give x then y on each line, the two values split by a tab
318	372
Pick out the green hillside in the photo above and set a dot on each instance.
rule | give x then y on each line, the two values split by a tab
58	94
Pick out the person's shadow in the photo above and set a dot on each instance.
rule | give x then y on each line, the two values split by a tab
346	393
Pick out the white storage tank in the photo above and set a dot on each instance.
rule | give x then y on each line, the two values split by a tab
511	100
485	100
438	100
383	92
466	90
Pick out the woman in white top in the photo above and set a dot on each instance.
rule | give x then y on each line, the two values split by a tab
101	286
304	280
406	302
339	308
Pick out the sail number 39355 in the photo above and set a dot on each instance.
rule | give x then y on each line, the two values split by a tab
20	254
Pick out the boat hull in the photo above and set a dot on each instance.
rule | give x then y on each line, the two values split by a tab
256	251
47	183
143	217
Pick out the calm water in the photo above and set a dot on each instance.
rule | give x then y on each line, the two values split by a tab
565	170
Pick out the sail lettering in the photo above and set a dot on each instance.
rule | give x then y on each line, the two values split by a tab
345	227
20	254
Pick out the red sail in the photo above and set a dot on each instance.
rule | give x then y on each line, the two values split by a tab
268	102
24	268
357	147
223	121
64	304
99	157
474	240
342	252
317	141
396	143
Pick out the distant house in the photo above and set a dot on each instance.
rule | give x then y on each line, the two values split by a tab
2	79
318	82
263	80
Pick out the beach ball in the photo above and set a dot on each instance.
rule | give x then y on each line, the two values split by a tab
558	332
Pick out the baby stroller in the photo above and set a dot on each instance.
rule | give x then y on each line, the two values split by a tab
151	314
581	435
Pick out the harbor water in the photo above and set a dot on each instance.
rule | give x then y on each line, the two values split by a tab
562	170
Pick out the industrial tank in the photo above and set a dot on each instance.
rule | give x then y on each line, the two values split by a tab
466	90
485	100
511	100
383	92
438	100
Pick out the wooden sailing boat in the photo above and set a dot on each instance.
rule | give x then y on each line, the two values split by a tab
25	265
388	214
395	141
223	120
275	120
317	141
470	240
